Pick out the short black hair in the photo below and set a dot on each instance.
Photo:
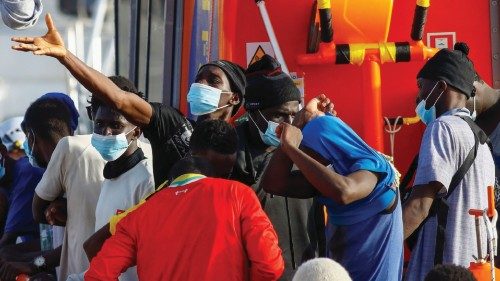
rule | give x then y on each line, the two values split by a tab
120	81
449	272
49	119
190	164
216	135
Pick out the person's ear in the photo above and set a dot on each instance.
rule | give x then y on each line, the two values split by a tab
235	99
442	86
137	132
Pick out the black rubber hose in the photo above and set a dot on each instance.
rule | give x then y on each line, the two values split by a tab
419	19
342	54
402	51
325	19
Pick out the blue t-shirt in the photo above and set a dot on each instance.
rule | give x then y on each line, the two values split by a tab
362	237
20	215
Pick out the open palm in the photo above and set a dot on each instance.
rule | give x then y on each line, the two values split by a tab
51	44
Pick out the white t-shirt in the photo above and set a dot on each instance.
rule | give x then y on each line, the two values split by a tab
121	193
57	240
445	145
75	168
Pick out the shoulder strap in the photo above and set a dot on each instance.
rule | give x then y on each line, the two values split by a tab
404	187
483	138
469	160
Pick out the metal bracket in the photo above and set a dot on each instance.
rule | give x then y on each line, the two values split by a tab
495	42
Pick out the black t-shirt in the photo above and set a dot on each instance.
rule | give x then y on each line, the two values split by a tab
169	133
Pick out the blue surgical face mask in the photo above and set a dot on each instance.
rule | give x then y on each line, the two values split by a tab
269	137
29	151
204	99
111	147
2	167
427	115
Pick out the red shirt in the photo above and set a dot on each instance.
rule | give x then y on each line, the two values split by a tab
209	229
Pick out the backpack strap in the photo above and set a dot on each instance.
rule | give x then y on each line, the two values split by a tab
440	205
404	187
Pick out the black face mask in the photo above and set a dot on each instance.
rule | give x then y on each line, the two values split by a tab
114	169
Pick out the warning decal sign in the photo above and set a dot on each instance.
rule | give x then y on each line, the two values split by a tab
256	50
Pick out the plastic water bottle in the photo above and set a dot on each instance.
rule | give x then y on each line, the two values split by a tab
45	237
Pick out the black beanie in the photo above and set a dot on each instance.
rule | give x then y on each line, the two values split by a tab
268	86
453	67
235	75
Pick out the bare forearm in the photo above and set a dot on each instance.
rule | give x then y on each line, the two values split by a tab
326	181
94	243
282	181
135	109
94	81
414	214
418	205
275	177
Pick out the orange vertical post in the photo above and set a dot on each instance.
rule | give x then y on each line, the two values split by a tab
491	201
186	49
228	23
372	103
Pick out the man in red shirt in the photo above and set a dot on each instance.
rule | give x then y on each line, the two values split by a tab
198	228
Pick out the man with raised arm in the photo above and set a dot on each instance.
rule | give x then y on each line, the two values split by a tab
216	94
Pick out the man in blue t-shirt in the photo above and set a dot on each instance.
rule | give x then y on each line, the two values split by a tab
356	183
18	182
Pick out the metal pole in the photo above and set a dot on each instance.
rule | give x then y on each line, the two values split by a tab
478	239
372	104
135	29
97	24
495	41
148	47
272	37
117	38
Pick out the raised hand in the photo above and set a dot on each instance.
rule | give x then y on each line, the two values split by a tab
317	106
51	44
290	136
